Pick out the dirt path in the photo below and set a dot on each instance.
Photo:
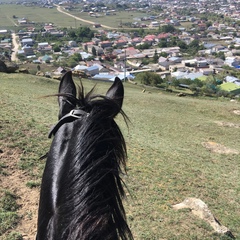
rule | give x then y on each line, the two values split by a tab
16	47
80	19
15	181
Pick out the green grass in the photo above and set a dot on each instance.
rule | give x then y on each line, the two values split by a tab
8	208
14	236
167	161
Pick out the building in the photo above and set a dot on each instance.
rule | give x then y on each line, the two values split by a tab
27	42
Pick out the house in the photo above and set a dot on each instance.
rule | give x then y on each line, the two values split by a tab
119	65
28	51
221	26
190	62
186	75
120	43
163	36
59	71
92	62
232	80
108	50
105	44
49	28
154	24
151	52
177	67
27	42
57	33
72	44
42	45
150	39
6	40
207	71
162	59
3	32
218	48
85	55
172	51
88	46
46	58
111	35
202	64
202	26
93	70
174	60
164	66
95	41
131	51
211	29
231	62
134	63
22	21
99	50
80	68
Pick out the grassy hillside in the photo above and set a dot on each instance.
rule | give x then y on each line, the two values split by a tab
168	158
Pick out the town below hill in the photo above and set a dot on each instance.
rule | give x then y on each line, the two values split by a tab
175	47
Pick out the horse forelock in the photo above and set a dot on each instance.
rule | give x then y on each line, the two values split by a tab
90	197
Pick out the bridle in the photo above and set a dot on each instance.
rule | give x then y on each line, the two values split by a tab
70	117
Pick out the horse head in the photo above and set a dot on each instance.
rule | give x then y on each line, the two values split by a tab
82	190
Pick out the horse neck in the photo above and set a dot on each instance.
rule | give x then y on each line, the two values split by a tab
93	184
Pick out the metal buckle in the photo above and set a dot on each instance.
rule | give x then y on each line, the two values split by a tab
76	113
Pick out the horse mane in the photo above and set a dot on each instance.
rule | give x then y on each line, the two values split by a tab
90	195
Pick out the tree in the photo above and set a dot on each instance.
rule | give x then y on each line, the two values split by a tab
163	43
77	57
143	46
182	45
155	57
167	28
149	78
56	48
94	51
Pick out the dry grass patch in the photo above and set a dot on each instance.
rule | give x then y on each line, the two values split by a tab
227	124
219	148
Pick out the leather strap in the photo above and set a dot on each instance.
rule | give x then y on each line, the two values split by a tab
70	117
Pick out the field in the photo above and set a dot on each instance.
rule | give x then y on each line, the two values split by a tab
116	20
112	20
44	15
34	14
168	159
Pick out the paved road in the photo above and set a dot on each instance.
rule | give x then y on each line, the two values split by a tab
81	19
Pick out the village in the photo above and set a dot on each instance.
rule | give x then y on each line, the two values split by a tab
110	53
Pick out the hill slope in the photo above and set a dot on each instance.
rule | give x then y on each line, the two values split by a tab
178	148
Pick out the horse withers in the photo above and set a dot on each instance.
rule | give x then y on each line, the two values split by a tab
82	190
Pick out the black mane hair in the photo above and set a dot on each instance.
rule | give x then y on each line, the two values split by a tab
84	166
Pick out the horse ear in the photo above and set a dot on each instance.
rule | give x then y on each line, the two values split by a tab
116	92
66	90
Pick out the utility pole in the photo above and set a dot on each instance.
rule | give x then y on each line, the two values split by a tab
125	65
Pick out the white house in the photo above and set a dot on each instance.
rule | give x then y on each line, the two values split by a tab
154	24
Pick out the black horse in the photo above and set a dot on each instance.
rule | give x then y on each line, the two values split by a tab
82	190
